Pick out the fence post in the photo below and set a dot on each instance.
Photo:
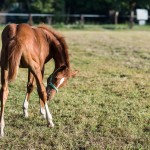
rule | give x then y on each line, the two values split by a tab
82	20
67	18
30	21
49	20
116	17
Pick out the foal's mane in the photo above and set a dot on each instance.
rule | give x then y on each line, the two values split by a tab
60	43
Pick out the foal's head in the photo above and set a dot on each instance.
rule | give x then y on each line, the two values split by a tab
56	80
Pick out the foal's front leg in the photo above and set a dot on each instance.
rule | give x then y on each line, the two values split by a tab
42	107
42	93
30	86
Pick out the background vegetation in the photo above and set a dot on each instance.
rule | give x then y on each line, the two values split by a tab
65	7
75	6
105	107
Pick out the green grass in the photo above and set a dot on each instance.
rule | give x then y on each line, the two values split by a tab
96	27
105	107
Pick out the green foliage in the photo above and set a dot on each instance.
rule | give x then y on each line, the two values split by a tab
42	6
118	5
59	9
76	6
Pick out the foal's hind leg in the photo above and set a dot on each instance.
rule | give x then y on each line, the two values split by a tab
4	95
30	86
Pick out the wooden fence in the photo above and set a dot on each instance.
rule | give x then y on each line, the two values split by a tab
66	18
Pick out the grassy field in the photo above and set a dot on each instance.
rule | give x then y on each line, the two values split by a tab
105	107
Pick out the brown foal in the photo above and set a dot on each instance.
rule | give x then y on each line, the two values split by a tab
31	47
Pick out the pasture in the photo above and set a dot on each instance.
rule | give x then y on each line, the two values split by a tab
106	106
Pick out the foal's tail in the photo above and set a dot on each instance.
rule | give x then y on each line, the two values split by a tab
11	51
14	56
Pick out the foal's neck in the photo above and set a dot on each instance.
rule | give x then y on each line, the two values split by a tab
59	59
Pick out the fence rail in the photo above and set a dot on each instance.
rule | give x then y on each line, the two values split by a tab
80	17
51	15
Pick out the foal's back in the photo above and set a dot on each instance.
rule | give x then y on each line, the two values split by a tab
25	46
29	41
21	33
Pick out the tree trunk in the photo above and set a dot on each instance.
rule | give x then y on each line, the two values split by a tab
131	19
132	6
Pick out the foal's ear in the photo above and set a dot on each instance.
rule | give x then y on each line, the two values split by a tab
73	73
63	67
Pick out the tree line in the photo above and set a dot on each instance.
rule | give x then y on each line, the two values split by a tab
74	6
65	7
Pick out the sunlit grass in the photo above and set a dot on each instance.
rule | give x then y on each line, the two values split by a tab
105	107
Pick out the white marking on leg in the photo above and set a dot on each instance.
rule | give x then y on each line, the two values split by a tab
61	81
2	125
43	112
25	107
49	116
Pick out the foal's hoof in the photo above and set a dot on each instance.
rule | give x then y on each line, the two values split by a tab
44	116
26	115
1	135
50	125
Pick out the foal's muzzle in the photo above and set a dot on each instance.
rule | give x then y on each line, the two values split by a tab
50	93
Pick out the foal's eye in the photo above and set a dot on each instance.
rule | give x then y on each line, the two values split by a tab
55	79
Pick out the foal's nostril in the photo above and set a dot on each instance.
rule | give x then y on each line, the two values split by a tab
48	93
48	96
